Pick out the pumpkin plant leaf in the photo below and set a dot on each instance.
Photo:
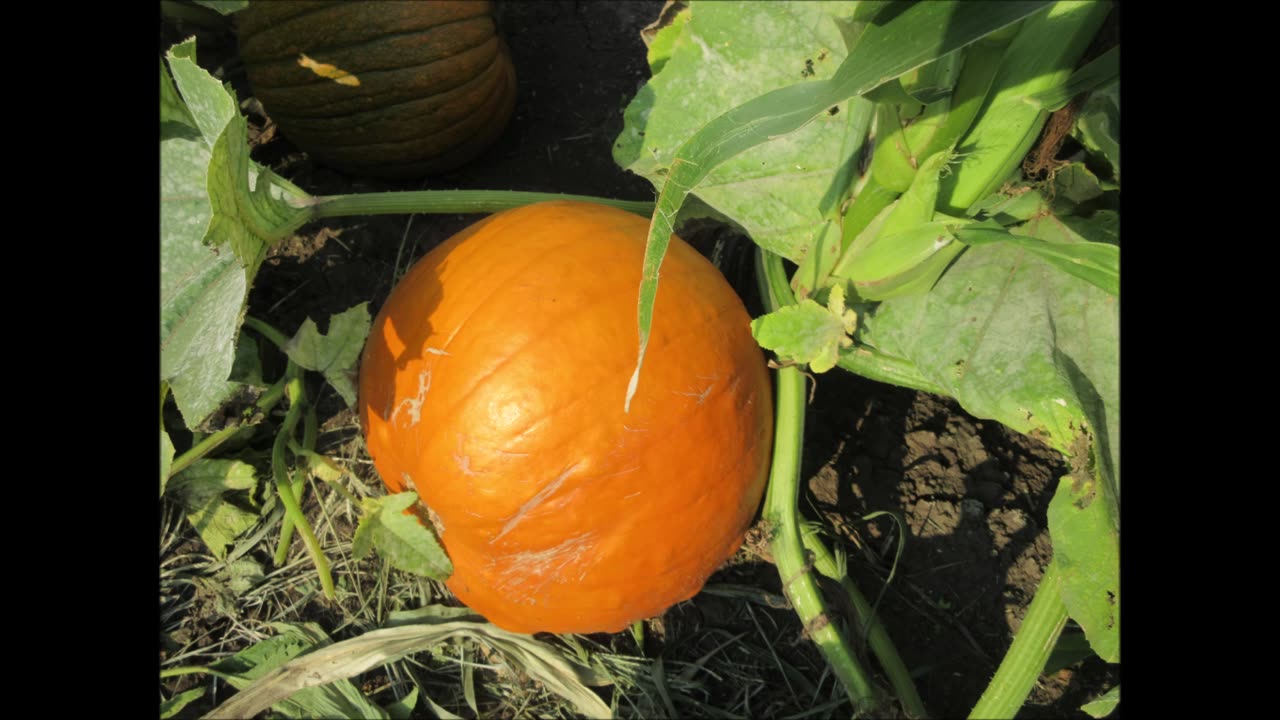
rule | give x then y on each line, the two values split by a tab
202	206
727	54
337	698
1071	648
808	332
166	444
174	116
1094	262
1085	527
247	219
338	661
215	496
666	38
333	354
1074	184
1098	126
1104	705
399	537
1016	339
166	458
913	37
174	705
202	292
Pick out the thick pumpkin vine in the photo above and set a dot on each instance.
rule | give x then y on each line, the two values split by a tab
916	268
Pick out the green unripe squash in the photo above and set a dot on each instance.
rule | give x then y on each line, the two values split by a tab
384	89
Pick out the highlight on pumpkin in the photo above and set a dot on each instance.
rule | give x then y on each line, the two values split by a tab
325	70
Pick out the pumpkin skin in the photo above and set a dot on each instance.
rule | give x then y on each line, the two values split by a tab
436	83
493	382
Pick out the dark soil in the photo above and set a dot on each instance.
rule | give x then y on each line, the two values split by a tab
972	494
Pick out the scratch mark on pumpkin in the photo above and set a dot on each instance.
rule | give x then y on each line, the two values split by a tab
628	497
546	565
533	502
702	396
435	351
464	464
324	70
414	404
631	429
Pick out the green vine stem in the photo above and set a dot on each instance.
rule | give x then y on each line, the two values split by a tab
211	442
781	515
292	508
276	337
865	617
451	201
299	481
1032	644
202	448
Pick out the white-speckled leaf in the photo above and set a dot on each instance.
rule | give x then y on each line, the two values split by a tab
730	53
202	290
216	221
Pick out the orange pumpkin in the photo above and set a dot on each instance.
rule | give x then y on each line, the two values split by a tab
493	383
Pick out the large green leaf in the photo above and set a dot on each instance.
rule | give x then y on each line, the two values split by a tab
202	291
206	202
919	34
1094	262
1013	339
1016	340
729	53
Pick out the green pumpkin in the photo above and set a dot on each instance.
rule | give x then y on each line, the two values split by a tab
384	89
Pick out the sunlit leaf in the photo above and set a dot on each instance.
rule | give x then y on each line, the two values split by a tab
919	34
400	538
335	353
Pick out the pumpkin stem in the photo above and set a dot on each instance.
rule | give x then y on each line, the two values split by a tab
452	201
780	511
1032	645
